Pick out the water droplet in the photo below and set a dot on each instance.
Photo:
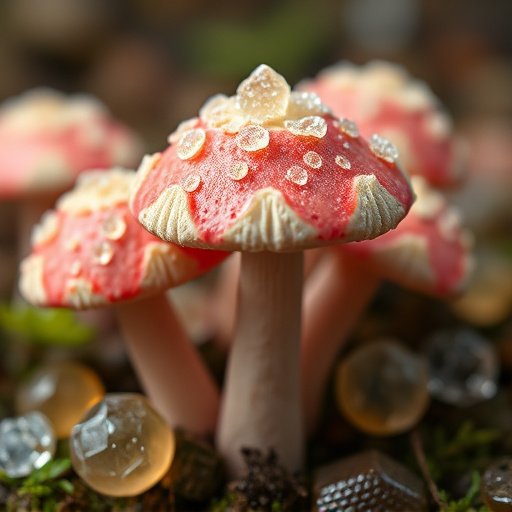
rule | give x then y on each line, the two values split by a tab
76	268
346	145
297	174
252	138
383	148
263	95
314	126
349	127
191	143
102	253
191	182
343	162
113	227
73	244
313	159
238	171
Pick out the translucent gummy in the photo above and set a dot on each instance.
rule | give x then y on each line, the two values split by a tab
464	367
122	447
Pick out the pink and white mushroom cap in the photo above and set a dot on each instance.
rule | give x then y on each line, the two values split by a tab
48	138
269	169
90	252
430	251
383	98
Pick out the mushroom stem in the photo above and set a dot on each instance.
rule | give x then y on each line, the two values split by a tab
262	407
167	364
335	296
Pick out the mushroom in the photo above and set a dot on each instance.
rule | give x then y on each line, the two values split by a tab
90	253
46	140
268	172
429	252
383	98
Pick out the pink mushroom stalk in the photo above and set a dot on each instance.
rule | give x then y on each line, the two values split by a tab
383	98
46	140
90	253
429	252
268	172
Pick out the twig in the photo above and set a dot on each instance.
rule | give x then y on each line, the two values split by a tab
417	446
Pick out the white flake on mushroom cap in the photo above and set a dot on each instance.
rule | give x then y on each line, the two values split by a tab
385	79
162	266
97	191
79	295
48	110
32	280
46	230
263	99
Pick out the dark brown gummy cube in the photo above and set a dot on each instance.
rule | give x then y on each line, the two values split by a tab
368	481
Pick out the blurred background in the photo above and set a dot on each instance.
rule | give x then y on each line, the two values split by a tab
155	62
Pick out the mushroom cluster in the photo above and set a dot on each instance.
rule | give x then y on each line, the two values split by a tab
89	252
268	172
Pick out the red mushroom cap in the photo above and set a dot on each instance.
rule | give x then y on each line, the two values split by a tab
430	250
47	139
383	98
269	169
90	251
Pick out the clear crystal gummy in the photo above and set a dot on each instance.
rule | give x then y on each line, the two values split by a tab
122	446
26	443
62	391
463	367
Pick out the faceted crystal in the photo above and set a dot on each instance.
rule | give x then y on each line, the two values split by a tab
496	486
381	388
263	95
383	148
26	443
464	367
63	392
314	126
122	446
368	481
